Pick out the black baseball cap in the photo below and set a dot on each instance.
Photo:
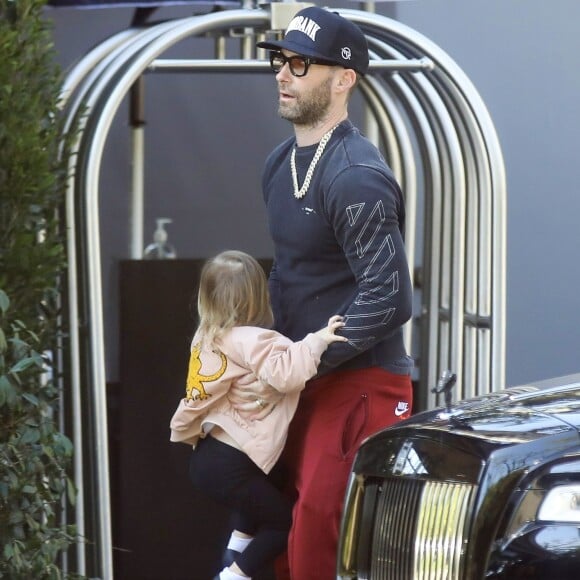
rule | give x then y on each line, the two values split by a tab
325	35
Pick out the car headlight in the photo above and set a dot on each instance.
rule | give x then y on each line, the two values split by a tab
561	504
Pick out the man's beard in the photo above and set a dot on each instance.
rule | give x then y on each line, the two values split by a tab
308	109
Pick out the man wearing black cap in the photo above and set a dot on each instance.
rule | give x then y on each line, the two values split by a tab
336	215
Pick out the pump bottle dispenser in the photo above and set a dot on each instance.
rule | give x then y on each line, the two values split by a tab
160	249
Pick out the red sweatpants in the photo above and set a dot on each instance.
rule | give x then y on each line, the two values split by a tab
336	412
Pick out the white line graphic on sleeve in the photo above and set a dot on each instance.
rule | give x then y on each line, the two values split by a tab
380	261
364	321
381	285
369	229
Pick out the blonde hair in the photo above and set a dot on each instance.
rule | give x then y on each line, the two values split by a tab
233	291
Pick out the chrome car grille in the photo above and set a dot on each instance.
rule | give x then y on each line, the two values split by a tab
421	530
415	529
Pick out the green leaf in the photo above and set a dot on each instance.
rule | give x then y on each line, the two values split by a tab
16	517
62	444
19	535
4	301
24	364
32	399
71	491
7	392
3	343
30	435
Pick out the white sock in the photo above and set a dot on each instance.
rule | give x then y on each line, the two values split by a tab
227	574
238	544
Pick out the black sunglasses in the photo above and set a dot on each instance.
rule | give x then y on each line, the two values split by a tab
298	64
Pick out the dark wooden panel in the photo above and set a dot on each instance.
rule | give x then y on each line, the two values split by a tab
163	529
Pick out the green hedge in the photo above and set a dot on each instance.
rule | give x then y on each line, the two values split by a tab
34	455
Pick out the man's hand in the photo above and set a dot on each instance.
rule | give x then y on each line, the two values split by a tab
253	398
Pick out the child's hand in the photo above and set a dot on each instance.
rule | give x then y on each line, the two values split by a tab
327	334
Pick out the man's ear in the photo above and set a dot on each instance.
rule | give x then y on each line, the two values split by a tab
346	79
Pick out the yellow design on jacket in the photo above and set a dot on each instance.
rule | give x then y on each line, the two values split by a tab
195	379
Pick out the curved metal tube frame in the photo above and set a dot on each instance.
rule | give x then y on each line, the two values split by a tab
435	132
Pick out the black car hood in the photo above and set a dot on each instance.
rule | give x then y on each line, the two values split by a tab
516	415
507	431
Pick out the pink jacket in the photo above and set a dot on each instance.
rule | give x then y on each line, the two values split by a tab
246	350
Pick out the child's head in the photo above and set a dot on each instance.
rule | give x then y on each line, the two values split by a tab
233	291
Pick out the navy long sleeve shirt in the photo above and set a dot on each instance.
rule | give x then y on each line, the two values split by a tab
340	250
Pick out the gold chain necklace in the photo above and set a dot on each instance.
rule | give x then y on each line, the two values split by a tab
299	193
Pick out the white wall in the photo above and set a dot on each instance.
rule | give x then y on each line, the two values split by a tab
522	56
